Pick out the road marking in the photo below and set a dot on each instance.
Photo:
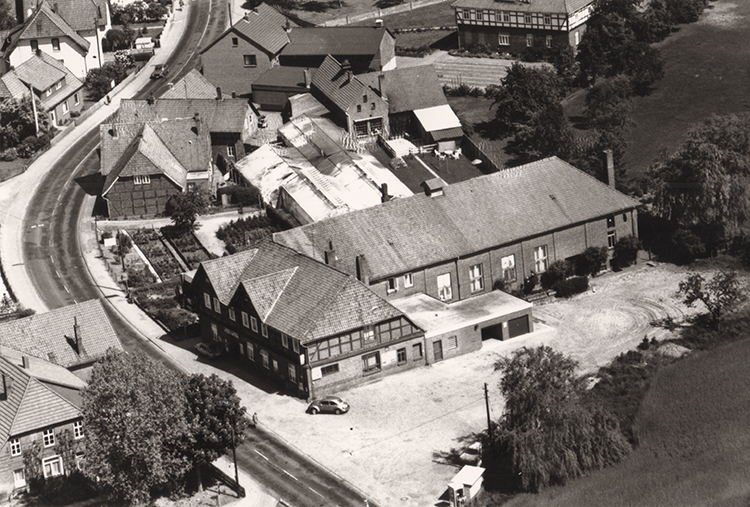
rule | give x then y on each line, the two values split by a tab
290	475
58	274
261	455
66	288
321	496
51	259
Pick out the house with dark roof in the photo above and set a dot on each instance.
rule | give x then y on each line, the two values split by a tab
513	26
246	50
192	86
40	404
231	122
59	91
271	91
307	327
355	104
449	247
145	164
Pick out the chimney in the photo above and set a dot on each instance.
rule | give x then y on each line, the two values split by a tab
347	68
330	255
77	336
234	95
7	382
38	52
218	93
197	119
384	197
151	100
306	74
25	362
378	23
54	8
287	26
381	78
363	272
610	166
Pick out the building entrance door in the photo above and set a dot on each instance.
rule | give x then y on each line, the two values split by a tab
437	348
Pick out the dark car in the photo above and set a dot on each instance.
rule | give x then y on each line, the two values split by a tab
328	405
209	350
160	71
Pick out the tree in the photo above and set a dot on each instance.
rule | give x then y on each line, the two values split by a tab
135	418
120	38
99	80
558	270
593	260
17	121
185	208
563	59
7	18
609	104
720	295
216	419
626	250
546	434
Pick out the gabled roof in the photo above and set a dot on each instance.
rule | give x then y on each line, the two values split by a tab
11	87
192	86
335	40
502	208
38	72
398	87
46	23
31	404
264	25
80	14
294	294
544	6
51	335
228	115
339	86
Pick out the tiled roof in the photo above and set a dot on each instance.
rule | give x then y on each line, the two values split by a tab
11	87
290	77
400	90
482	213
80	14
45	23
449	133
39	73
192	86
227	115
265	26
295	294
342	88
335	40
31	404
549	6
51	336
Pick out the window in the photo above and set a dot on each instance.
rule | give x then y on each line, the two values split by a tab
15	447
34	45
480	16
401	356
232	315
369	335
19	481
547	19
250	351
242	349
217	305
264	358
408	280
142	180
292	373
52	116
540	259
52	466
244	320
529	40
466	15
577	38
76	99
254	324
48	92
264	330
78	430
330	369
610	222
55	44
445	291
548	41
49	437
364	99
416	351
295	346
235	42
215	332
624	217
250	61
371	362
372	106
207	299
452	342
475	275
392	285
504	39
508	264
611	239
506	17
285	340
230	150
359	108
275	364
527	19
59	84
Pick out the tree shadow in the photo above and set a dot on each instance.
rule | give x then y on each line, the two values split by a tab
450	41
384	4
317	6
468	453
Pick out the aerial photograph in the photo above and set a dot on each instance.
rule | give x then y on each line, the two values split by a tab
374	253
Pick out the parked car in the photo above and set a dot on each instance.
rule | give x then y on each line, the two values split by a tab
329	404
160	71
209	350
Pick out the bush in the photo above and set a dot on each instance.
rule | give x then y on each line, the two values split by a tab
571	286
175	318
99	80
626	250
592	260
686	247
246	196
558	270
9	155
530	283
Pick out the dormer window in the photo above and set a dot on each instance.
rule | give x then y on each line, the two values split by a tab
59	84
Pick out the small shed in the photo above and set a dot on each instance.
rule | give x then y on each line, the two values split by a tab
466	485
439	124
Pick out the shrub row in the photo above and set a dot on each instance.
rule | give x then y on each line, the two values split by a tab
571	286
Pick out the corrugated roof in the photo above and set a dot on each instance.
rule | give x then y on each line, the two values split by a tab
45	23
50	335
400	90
265	26
229	115
341	87
502	208
544	6
295	294
192	86
334	40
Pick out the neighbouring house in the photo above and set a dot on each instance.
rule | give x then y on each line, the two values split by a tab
271	91
231	122
73	337
145	164
192	86
366	48
311	187
70	31
309	328
512	26
40	407
355	104
60	92
238	57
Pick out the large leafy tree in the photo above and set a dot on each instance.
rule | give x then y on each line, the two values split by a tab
721	294
99	80
707	180
137	431
17	121
546	433
216	419
185	208
7	18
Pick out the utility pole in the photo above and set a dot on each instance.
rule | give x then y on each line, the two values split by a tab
234	456
487	404
33	108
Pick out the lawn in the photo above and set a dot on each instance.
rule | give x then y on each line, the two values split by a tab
9	170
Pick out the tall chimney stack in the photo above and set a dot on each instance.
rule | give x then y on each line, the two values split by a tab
25	362
609	160
197	119
306	74
77	336
218	93
384	197
363	271
330	255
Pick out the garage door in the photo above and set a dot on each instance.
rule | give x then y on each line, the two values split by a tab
493	332
519	326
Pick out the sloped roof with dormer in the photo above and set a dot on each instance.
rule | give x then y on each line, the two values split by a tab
46	23
294	294
192	86
341	87
264	26
399	87
498	209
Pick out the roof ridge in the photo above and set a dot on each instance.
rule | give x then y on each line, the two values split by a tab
278	296
311	322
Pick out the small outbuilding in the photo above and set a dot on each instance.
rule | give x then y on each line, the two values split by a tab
466	485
